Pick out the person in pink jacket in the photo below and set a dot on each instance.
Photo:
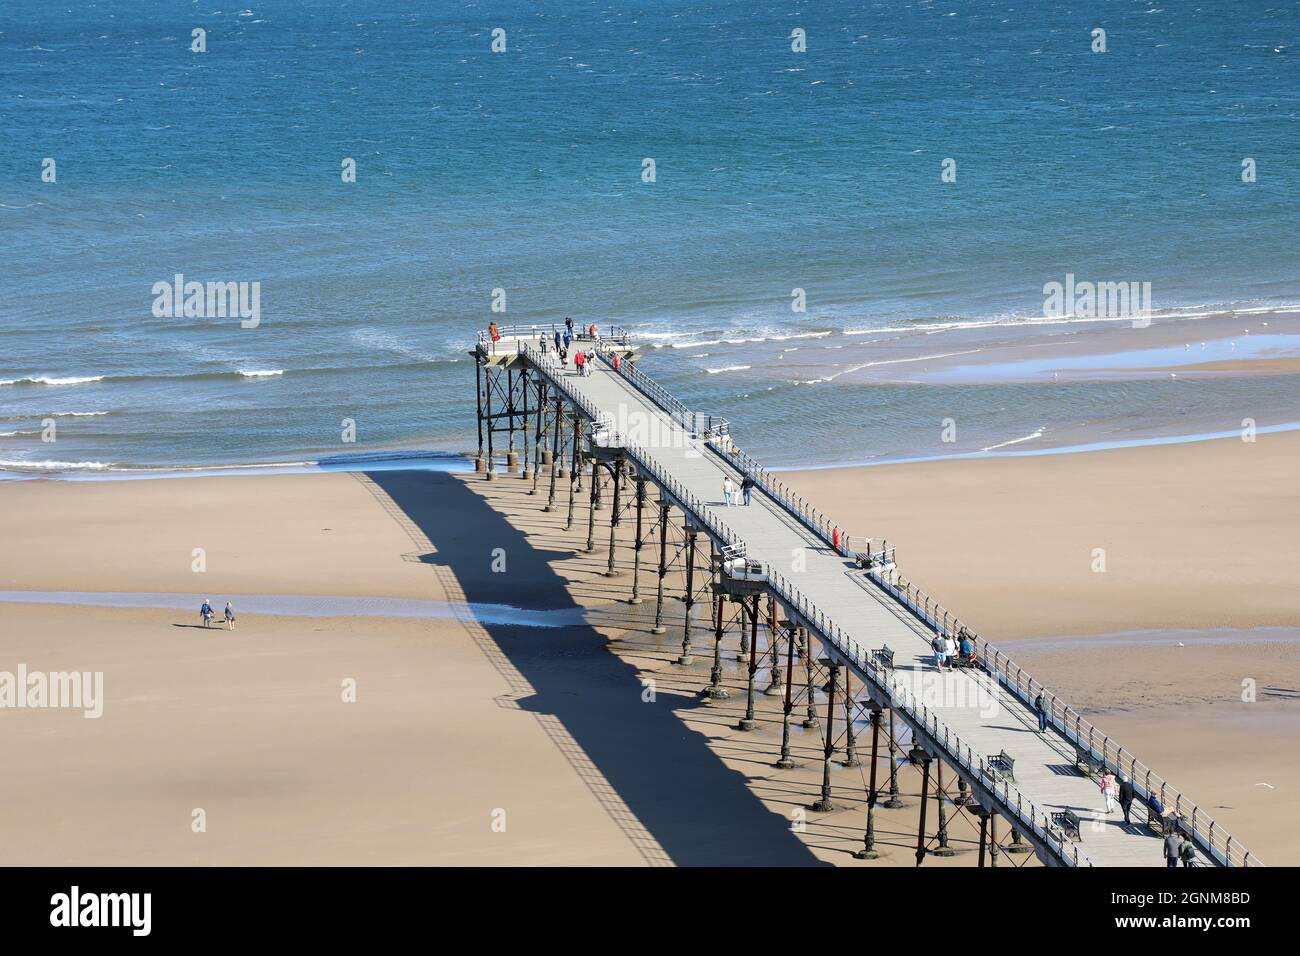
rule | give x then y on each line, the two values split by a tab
1109	787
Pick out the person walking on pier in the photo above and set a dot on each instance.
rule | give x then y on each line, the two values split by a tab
747	489
580	361
1187	850
589	361
1108	790
940	645
568	329
1040	708
1173	844
1126	795
728	491
557	341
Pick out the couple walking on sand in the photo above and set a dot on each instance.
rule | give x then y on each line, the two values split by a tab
205	612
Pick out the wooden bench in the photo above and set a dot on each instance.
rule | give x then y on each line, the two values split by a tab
883	658
1069	823
1086	761
1001	767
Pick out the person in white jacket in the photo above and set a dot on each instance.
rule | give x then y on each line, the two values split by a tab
728	491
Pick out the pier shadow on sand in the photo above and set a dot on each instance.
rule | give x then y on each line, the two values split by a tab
684	803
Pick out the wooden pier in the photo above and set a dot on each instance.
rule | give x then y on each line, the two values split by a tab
782	558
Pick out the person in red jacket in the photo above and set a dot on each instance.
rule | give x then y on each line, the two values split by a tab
579	360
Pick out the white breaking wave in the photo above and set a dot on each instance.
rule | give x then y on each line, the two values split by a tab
1017	441
76	414
261	373
902	361
726	368
49	380
15	465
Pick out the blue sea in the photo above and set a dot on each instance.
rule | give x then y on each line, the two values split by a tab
522	170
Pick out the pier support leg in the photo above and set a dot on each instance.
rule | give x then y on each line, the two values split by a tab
925	801
893	803
685	658
993	840
785	763
984	835
512	456
715	690
540	434
636	550
778	675
747	722
614	517
810	720
523	381
850	740
591	509
868	851
941	802
574	473
480	465
663	568
558	426
487	380
1017	846
824	805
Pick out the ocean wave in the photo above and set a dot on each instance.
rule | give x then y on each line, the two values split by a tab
51	380
726	368
1017	441
42	466
76	414
261	373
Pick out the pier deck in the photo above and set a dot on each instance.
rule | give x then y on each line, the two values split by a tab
968	713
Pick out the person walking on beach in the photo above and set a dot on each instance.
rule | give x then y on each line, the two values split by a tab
1126	795
1109	788
1172	846
940	646
747	489
230	617
728	491
1041	709
205	612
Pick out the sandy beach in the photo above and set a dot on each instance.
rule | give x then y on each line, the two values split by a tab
474	739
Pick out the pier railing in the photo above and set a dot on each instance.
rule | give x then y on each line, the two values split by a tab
616	335
1013	805
694	422
1205	832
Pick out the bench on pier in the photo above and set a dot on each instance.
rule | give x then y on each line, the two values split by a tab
1069	824
1086	761
1162	825
1001	767
883	658
878	561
